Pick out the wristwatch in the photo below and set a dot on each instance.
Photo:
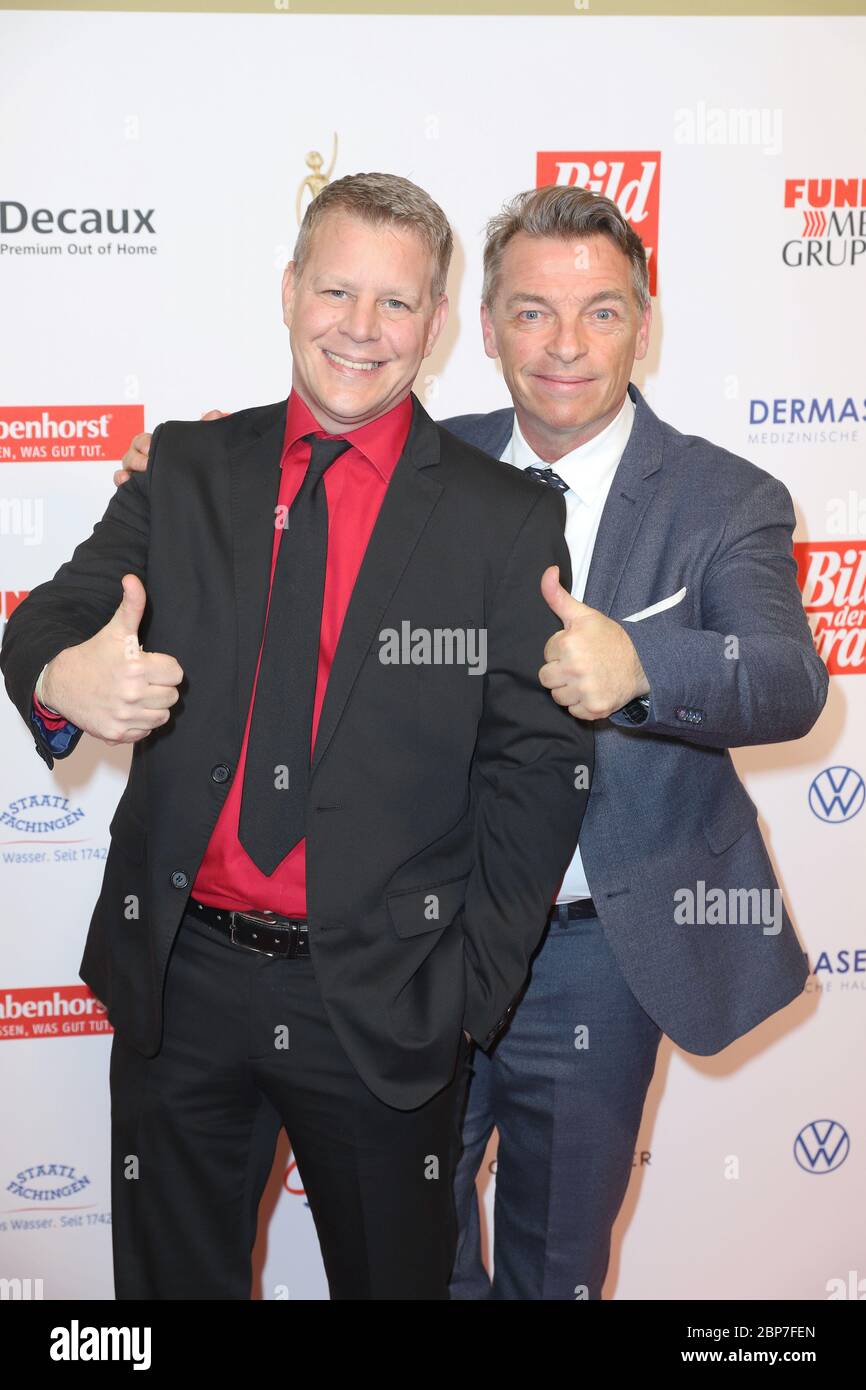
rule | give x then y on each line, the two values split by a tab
637	710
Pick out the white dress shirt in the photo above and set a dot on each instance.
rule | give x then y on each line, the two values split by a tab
589	471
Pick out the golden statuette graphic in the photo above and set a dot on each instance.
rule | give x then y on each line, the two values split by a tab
315	180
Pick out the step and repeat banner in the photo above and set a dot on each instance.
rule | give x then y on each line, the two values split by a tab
154	167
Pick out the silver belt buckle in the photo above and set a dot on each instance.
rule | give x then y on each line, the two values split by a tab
262	919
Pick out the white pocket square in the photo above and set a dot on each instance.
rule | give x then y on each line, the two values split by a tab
659	607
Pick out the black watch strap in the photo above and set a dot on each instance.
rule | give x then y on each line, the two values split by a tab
637	710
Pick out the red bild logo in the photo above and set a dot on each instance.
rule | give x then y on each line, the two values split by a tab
832	578
629	179
67	433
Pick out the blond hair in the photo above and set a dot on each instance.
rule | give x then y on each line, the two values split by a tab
383	200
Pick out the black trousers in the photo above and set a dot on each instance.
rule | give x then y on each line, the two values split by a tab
248	1049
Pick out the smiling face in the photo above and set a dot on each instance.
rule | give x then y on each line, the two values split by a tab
567	327
361	319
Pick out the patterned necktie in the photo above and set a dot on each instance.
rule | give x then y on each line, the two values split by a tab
276	775
542	473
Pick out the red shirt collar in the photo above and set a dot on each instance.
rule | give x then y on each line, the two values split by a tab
381	441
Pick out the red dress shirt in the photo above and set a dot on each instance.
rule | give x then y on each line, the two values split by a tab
355	487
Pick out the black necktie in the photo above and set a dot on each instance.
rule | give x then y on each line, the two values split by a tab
277	771
546	475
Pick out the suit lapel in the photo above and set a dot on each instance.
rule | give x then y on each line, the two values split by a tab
408	502
255	486
633	488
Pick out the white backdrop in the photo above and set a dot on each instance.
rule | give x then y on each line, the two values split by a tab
207	120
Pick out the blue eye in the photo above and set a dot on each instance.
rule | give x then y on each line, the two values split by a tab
605	311
529	311
398	302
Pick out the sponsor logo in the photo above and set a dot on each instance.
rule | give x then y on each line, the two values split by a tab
832	222
76	231
67	433
630	179
822	1146
832	579
41	814
9	601
46	1183
51	1011
805	419
842	971
837	794
843	961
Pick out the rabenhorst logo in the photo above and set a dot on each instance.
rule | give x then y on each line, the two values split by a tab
67	433
51	231
51	1011
831	214
629	179
46	1182
832	579
806	419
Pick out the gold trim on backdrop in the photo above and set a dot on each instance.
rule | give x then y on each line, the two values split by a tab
583	8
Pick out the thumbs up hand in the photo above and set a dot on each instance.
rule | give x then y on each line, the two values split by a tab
591	667
109	686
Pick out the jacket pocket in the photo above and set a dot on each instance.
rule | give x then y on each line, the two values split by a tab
728	822
415	911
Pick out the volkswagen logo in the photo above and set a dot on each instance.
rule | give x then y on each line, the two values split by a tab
822	1146
837	794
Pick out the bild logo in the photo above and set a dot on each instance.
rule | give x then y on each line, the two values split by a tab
837	794
630	178
822	1146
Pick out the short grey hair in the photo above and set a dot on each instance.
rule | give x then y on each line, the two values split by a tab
383	200
564	212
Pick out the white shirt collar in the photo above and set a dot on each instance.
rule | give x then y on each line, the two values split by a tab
589	467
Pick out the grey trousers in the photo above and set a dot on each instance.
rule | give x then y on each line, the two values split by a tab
565	1086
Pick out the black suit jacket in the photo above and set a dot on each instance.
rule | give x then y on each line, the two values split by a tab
442	809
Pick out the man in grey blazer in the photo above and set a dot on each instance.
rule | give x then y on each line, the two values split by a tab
683	636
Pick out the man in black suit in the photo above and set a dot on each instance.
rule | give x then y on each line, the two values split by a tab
351	801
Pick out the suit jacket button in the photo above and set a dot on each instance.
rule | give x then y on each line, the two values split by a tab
179	879
221	773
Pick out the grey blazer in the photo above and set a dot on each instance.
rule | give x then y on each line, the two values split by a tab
668	819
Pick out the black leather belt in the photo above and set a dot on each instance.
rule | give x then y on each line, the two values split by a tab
563	913
266	932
